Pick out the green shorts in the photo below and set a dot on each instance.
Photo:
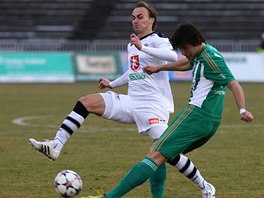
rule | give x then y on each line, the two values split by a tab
190	129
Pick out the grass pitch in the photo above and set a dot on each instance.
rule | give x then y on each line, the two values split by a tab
103	151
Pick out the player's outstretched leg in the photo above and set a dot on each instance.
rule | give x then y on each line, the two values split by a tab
187	168
71	124
135	177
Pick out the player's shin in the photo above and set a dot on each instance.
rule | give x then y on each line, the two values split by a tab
136	176
71	124
187	168
157	182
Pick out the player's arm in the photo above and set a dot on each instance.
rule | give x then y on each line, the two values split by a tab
163	52
238	93
105	83
182	65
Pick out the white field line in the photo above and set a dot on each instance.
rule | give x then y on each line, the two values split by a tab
23	121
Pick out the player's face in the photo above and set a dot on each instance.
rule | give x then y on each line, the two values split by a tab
191	51
141	22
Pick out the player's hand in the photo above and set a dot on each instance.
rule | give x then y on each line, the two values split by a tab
134	40
104	83
246	116
151	69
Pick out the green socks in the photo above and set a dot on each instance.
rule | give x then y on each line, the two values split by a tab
135	177
157	182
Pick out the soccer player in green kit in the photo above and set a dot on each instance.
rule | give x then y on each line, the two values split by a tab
198	122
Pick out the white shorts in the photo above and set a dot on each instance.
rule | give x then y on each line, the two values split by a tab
151	119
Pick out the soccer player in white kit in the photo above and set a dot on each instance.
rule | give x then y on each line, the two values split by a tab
148	102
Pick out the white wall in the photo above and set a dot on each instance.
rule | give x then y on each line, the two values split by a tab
246	67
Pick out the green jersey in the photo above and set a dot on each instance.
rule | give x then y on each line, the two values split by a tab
210	77
197	123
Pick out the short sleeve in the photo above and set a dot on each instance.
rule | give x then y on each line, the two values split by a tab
216	68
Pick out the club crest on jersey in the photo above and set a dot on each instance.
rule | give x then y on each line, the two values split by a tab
153	121
134	62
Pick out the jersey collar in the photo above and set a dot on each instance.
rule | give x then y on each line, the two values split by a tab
147	35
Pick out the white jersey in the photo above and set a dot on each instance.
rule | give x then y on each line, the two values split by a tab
154	89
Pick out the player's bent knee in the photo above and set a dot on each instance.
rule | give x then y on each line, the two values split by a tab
157	157
94	103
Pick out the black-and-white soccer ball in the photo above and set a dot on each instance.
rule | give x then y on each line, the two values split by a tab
68	183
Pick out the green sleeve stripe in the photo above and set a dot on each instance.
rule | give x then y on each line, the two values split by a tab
210	62
173	126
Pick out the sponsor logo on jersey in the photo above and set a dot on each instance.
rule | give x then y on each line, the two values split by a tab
137	76
134	62
153	121
220	92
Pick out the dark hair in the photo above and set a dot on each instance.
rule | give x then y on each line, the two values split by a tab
151	10
186	34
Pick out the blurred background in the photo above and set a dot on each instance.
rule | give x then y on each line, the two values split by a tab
69	30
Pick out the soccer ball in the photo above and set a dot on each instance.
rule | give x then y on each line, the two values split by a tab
68	183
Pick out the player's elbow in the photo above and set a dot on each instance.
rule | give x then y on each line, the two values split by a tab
173	57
